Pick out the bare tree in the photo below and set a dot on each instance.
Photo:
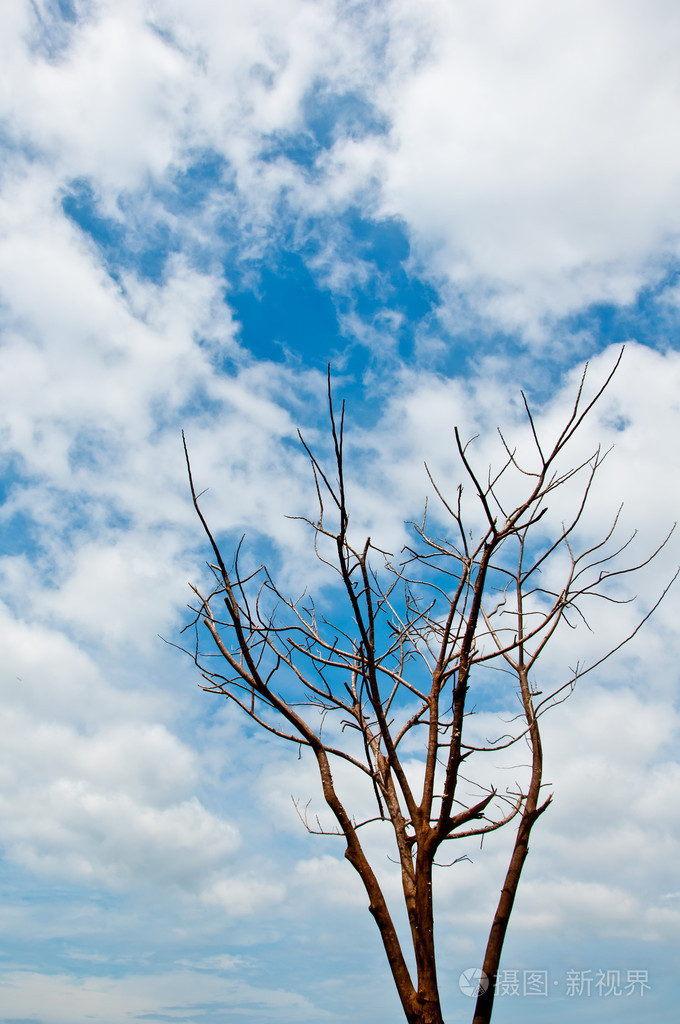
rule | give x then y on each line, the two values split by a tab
401	661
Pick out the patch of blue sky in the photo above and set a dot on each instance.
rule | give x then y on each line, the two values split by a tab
19	884
18	534
198	408
81	205
21	1020
328	115
254	549
89	516
287	313
201	1007
192	185
97	951
65	520
287	305
280	298
151	224
121	245
300	148
210	1013
54	22
650	319
11	477
93	449
18	531
384	245
15	149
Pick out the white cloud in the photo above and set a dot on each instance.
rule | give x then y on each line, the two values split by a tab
528	149
48	675
244	895
111	592
181	994
72	831
531	154
95	789
106	106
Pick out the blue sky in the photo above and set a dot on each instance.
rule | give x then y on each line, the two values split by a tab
201	206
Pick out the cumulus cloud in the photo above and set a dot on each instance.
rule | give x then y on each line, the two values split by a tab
549	173
94	789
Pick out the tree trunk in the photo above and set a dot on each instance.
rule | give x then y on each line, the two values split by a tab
423	940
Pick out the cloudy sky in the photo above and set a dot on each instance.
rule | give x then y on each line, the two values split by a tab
202	205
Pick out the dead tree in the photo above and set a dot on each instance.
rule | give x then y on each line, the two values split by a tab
401	661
